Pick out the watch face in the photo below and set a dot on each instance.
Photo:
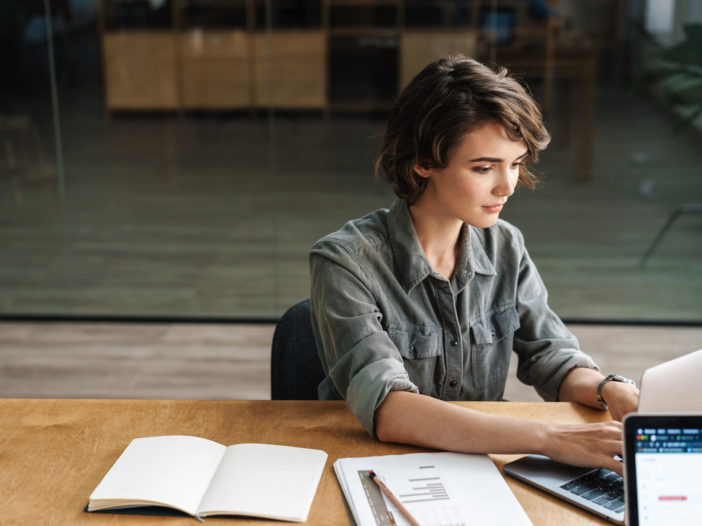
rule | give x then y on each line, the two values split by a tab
609	378
620	378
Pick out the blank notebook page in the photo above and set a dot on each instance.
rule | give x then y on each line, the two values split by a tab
260	480
173	470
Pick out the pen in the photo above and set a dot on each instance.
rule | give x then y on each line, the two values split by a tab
393	499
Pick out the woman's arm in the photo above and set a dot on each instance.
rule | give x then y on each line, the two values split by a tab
421	420
544	345
580	385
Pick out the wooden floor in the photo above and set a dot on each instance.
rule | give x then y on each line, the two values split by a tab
232	361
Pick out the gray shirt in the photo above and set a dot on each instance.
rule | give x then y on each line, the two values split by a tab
383	320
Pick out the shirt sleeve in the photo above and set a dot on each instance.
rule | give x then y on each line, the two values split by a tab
547	350
360	360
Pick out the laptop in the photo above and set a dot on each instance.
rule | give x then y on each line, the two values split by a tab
673	386
599	491
663	460
669	387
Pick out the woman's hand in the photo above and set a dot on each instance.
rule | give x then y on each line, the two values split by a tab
587	445
411	418
621	398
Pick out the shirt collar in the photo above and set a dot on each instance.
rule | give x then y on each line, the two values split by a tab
472	258
412	263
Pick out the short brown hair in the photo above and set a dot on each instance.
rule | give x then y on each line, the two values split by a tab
446	100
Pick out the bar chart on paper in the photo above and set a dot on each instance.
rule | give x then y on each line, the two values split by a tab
421	490
437	489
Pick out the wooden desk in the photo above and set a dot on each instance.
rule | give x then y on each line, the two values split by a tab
54	452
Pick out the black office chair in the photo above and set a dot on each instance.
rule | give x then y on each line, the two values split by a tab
295	368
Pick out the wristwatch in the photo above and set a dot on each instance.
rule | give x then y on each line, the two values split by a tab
611	378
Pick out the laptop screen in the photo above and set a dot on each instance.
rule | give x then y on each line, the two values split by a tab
663	458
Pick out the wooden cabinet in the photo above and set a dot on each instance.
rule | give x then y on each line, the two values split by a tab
290	69
419	48
219	55
215	69
140	70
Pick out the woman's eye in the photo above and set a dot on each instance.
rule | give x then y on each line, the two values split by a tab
483	169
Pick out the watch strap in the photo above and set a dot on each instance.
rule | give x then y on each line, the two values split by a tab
610	378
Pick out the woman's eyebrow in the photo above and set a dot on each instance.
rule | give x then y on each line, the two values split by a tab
495	159
486	160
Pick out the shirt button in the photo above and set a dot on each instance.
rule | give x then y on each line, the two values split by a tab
454	343
453	383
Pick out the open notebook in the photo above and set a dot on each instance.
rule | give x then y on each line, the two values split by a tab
201	478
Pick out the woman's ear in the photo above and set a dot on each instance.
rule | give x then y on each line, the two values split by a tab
422	170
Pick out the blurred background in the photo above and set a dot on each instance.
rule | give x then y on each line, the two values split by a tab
176	159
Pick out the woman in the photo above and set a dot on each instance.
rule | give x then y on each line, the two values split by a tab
423	303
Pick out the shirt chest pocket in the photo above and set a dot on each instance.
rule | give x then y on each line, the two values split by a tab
422	356
492	336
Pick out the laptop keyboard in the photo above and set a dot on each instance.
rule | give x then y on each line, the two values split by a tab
601	486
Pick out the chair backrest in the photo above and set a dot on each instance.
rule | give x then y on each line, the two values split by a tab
295	367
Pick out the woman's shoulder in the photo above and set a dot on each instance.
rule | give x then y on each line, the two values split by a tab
357	235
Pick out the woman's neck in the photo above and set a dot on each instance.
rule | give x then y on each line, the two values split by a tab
438	237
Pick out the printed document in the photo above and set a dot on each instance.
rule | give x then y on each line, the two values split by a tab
439	489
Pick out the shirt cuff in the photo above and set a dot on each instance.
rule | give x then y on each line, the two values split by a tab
369	387
549	388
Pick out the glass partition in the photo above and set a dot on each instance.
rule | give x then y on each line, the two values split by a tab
176	159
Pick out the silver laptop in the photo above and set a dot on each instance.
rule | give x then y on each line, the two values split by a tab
663	459
672	386
599	491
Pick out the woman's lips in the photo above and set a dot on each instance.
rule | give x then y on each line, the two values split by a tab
493	209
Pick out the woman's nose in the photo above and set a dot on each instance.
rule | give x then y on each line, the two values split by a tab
506	183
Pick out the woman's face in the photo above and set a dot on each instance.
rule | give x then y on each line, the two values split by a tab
481	174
